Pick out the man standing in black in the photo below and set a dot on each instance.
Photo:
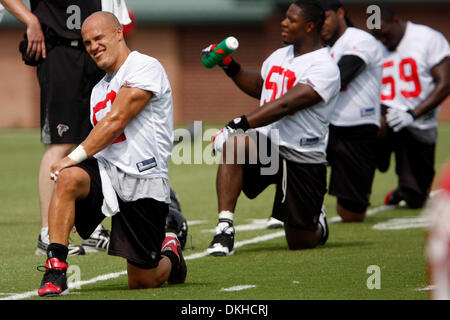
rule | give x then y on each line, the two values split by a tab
66	77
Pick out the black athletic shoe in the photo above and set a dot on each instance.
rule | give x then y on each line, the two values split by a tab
178	275
323	223
54	281
43	244
223	242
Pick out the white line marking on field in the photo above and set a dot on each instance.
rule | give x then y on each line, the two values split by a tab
196	222
238	288
403	223
256	224
76	284
429	288
270	236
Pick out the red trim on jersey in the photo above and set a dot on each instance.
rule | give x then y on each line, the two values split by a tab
110	97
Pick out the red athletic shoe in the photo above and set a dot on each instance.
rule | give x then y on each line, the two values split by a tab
393	197
54	282
171	247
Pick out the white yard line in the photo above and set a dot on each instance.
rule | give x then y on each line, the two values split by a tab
238	288
25	295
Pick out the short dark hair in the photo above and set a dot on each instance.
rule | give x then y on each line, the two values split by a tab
313	12
335	5
387	14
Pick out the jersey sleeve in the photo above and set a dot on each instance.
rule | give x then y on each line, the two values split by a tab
437	49
148	76
363	49
324	78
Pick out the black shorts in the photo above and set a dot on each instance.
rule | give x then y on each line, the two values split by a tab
137	231
300	190
414	161
66	78
351	154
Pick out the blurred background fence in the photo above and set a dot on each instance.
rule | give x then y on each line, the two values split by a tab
174	32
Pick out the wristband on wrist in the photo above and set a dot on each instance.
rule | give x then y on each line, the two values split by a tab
232	68
239	123
412	114
78	154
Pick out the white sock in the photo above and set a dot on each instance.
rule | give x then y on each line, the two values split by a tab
44	233
225	221
225	214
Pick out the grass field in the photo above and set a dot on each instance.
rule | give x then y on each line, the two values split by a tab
337	270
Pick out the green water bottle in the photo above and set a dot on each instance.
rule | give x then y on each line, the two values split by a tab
221	51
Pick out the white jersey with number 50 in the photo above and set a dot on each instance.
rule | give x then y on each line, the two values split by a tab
407	78
305	130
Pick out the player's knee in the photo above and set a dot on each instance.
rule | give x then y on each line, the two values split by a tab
69	181
351	211
143	283
413	199
299	239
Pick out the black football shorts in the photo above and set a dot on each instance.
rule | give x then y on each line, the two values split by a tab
66	78
300	190
351	154
414	160
137	231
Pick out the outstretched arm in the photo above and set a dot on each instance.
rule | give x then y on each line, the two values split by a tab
301	96
127	105
441	77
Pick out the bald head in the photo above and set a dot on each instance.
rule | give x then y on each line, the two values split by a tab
107	19
104	41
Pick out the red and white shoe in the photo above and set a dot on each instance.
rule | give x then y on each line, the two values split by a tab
393	197
171	247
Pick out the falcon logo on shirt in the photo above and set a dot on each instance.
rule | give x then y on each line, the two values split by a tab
128	84
62	128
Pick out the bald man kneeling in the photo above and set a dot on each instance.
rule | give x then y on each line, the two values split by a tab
121	169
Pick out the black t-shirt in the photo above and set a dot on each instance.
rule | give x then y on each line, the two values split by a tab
64	17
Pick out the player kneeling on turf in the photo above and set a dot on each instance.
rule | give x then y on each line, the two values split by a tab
121	169
297	88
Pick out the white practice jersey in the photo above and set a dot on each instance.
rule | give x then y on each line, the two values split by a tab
2	12
359	102
144	148
407	78
305	130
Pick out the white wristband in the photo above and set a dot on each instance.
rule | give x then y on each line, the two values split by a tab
78	154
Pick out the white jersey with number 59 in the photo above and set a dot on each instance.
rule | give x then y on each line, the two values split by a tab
407	78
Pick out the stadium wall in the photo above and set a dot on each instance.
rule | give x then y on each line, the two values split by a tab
199	93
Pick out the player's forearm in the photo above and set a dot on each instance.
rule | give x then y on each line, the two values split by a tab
104	133
441	76
298	98
18	9
438	95
249	82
